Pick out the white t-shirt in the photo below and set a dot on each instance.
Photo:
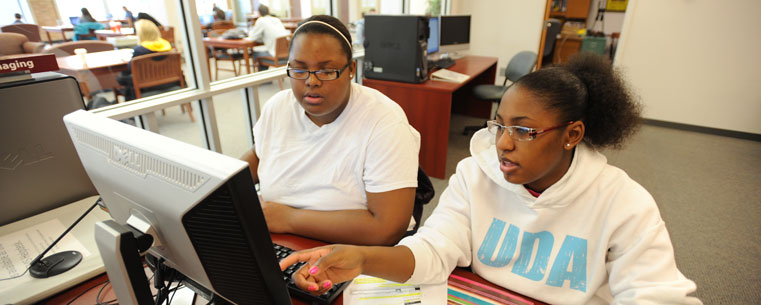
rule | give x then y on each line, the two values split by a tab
370	147
267	29
593	237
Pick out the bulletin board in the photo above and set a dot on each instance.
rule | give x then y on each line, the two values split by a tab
616	5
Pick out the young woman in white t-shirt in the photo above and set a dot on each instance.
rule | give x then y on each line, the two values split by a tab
545	216
335	161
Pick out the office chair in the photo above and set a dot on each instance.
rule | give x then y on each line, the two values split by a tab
521	64
423	194
553	29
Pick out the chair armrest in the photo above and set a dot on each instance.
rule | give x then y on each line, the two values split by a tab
33	47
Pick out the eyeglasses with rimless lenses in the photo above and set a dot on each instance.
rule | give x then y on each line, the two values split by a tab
322	74
519	133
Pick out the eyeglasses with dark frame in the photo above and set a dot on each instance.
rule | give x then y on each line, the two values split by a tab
519	133
322	74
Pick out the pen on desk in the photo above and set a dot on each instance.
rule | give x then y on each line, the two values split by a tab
386	290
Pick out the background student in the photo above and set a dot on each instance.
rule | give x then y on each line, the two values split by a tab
545	216
150	41
336	161
267	30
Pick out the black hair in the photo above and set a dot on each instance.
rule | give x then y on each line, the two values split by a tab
322	29
145	16
17	15
263	10
587	88
86	17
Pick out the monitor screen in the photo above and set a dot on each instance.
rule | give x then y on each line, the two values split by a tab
201	207
433	35
74	20
454	33
39	168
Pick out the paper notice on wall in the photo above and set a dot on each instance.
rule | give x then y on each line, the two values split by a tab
19	248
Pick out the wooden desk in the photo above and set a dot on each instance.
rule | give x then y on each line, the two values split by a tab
86	292
103	34
241	44
428	106
58	29
98	71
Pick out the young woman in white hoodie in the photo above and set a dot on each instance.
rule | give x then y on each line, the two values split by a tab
536	208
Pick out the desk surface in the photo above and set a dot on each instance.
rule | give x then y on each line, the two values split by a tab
81	295
26	289
95	60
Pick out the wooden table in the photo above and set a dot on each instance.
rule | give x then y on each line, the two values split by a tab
428	106
103	34
99	70
57	29
242	44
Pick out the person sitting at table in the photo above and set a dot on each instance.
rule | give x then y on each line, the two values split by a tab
335	161
150	41
87	24
267	30
128	16
18	19
536	208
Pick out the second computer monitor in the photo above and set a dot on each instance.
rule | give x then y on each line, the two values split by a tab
433	35
454	33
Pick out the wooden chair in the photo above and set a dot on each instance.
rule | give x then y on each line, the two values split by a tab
31	31
167	32
224	54
155	73
222	25
281	56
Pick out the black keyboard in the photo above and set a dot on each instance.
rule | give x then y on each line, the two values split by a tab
442	63
326	298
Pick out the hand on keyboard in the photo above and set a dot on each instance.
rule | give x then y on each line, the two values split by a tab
322	295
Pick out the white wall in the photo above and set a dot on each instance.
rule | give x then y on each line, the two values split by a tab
695	62
502	28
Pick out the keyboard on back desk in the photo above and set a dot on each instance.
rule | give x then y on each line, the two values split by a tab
442	63
326	298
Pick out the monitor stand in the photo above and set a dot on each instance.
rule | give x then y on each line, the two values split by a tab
118	246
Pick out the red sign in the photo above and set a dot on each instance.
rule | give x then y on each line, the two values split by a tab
31	63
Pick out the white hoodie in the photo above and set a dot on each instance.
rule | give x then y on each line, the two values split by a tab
594	237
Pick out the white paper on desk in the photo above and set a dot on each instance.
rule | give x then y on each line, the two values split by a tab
372	290
449	76
19	248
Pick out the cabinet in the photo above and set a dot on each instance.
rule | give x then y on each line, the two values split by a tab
569	9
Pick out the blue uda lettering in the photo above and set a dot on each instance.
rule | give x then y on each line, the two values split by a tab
573	252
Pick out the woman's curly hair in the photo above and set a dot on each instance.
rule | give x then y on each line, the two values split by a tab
587	88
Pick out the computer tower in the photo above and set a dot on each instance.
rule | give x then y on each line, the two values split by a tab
396	48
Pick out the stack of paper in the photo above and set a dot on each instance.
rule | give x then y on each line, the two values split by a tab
449	76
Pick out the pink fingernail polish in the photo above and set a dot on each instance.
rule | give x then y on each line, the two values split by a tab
326	285
313	270
313	288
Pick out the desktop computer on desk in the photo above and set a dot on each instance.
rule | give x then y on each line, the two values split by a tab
195	211
396	48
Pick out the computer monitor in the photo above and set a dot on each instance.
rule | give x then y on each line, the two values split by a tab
74	20
200	207
39	168
454	33
433	35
